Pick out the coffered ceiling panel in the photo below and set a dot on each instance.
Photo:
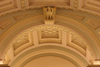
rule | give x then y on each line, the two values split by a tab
94	23
48	35
8	5
5	23
76	26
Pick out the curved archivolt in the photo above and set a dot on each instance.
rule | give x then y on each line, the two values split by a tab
48	35
78	21
48	52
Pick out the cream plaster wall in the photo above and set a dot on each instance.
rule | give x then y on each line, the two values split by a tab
49	61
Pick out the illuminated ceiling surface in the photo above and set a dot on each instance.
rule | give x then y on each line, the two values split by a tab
74	37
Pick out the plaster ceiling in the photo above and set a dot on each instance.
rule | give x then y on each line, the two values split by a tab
88	6
82	16
92	6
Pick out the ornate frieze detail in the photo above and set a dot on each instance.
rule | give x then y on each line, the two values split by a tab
75	5
50	33
24	38
70	8
23	4
48	27
49	14
47	31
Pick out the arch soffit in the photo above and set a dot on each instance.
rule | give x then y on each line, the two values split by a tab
23	22
49	50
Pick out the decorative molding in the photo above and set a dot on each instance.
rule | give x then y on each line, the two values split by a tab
49	27
49	33
75	5
18	10
5	23
93	23
49	14
20	42
44	38
31	8
22	16
90	5
23	4
23	43
8	5
80	17
39	52
50	36
79	10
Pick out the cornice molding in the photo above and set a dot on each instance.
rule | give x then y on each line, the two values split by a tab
66	8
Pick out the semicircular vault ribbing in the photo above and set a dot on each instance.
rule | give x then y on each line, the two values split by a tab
43	35
74	29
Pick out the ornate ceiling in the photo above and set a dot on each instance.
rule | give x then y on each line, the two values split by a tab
90	6
75	32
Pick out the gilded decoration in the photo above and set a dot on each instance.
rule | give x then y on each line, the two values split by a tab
21	35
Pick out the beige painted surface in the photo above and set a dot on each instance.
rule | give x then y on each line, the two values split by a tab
82	16
49	61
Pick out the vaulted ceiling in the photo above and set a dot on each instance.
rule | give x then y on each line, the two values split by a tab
76	28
